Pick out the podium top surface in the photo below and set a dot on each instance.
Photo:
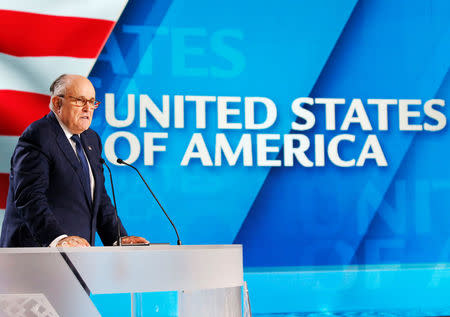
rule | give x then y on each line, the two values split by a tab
142	268
159	247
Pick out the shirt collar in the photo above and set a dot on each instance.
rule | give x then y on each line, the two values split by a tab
64	127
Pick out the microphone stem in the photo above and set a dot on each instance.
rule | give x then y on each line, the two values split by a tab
176	231
119	238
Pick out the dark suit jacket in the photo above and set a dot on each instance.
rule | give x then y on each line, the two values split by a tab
46	197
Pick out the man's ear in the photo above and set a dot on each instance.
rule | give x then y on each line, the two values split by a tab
56	101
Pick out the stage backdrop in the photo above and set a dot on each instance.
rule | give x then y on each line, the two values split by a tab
311	132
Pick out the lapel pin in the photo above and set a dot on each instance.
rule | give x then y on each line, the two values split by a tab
89	148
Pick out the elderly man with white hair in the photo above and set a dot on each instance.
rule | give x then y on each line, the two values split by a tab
57	195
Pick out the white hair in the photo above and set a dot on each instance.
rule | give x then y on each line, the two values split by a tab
58	87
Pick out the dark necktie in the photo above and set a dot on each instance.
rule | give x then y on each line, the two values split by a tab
83	162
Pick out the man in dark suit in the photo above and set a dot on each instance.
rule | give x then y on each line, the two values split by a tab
56	193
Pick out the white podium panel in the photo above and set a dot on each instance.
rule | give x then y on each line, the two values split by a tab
208	278
158	268
221	302
39	279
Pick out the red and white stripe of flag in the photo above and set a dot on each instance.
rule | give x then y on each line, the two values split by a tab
40	40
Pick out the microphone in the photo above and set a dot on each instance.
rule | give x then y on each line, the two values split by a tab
120	161
119	238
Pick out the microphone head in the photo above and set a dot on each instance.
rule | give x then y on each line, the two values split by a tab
102	161
120	161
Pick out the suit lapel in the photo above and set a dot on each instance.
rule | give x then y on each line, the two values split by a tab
93	160
68	152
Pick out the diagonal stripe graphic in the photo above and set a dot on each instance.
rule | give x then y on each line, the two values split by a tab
436	69
323	211
312	89
143	14
391	184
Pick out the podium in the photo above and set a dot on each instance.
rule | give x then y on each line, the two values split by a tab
58	281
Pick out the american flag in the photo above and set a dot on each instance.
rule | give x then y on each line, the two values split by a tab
40	40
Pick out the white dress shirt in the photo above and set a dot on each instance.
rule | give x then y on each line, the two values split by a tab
91	175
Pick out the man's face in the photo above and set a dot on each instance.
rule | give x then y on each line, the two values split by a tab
77	119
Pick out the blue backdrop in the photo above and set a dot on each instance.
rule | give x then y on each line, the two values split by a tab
289	215
321	49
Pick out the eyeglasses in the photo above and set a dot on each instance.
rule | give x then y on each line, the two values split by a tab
81	101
